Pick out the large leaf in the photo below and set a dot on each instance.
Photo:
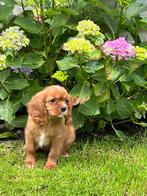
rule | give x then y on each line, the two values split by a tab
6	12
30	60
3	94
16	83
4	75
91	107
112	73
115	92
138	80
93	66
124	108
20	121
78	119
67	63
16	103
6	111
102	92
28	25
135	9
33	60
82	91
30	91
100	88
78	5
111	106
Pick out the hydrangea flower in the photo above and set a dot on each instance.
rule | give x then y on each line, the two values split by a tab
13	39
60	76
2	62
78	45
141	53
118	49
24	70
88	27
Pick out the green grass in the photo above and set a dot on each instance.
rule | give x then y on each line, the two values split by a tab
104	166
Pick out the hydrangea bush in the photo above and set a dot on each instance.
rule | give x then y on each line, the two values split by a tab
65	42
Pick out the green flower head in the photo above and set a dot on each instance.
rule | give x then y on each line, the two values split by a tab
78	45
61	76
141	53
13	39
88	27
2	62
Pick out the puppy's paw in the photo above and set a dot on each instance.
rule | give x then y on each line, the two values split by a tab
30	164
50	165
66	155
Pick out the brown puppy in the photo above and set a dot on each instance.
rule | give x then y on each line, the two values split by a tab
49	126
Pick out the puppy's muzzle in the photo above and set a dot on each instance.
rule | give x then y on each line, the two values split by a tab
63	109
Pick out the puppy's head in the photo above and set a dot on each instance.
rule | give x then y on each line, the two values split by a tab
53	101
57	101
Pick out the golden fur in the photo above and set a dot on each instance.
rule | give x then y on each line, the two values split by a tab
49	126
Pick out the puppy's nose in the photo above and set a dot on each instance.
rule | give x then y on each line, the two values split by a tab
63	109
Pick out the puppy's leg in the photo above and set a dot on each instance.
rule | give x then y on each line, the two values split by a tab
55	151
30	151
70	138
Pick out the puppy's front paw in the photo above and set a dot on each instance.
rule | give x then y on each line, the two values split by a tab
30	163
50	165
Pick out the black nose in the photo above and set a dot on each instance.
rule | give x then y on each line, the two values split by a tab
63	109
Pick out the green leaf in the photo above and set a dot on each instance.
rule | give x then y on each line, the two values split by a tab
67	63
28	92
100	40
6	111
16	82
104	97
6	12
94	55
80	4
135	9
4	75
102	92
28	25
112	73
16	103
124	108
7	134
144	20
82	91
100	88
3	94
93	66
90	108
19	121
32	60
78	118
111	107
115	92
138	80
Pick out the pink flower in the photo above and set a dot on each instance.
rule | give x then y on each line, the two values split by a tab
119	49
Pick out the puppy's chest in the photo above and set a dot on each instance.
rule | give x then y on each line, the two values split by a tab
43	139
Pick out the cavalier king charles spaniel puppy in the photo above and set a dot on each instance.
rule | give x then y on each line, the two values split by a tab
49	126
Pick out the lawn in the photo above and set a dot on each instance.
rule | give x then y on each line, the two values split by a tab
103	166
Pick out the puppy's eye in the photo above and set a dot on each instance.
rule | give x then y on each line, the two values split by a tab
66	101
52	100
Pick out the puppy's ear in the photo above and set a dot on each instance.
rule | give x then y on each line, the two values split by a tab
73	101
36	109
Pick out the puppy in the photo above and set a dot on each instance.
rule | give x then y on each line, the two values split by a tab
49	126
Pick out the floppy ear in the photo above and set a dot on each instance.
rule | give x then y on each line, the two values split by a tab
36	109
73	101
